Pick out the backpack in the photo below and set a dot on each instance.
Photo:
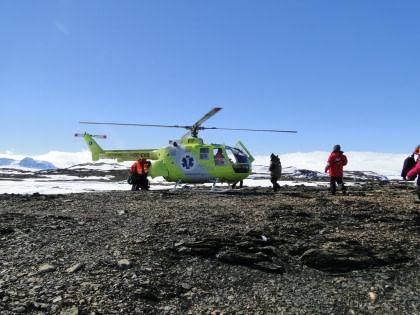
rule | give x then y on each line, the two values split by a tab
133	179
409	163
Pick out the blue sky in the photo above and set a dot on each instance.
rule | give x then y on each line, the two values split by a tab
342	72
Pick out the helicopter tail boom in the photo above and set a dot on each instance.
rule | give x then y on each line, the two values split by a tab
120	155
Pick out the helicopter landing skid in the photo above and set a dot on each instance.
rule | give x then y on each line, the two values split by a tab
214	190
214	185
176	184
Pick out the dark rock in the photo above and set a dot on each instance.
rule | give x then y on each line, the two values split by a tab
249	252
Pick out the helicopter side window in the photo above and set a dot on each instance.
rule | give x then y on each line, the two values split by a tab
204	154
219	158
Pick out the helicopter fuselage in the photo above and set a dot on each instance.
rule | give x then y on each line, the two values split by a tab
192	161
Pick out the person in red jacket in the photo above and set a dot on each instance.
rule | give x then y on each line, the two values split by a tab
334	166
141	169
415	171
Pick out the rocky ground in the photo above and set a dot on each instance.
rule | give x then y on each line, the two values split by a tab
251	251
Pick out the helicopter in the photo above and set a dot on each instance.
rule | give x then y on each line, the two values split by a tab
188	159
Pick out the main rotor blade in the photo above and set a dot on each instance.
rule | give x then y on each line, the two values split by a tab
194	129
136	125
184	127
207	116
247	129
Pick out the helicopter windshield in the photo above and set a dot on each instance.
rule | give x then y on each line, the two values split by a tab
239	159
236	155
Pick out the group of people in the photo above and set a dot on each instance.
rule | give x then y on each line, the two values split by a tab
140	170
335	163
337	160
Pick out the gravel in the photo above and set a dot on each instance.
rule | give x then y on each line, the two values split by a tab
248	251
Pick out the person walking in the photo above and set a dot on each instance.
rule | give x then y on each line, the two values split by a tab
275	171
334	167
141	169
415	171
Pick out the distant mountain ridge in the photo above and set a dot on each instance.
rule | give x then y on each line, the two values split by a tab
296	173
28	163
259	172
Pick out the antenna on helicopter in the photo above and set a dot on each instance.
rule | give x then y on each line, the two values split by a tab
192	130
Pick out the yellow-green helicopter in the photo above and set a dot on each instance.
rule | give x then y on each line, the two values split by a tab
187	160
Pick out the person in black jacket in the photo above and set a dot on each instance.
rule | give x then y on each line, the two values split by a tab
275	171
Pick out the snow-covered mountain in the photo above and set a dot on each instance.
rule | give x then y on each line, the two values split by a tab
26	162
6	161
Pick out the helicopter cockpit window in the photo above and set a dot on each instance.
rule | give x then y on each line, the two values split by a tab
219	158
204	154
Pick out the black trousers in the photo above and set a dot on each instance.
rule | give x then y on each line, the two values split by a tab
276	185
141	183
337	180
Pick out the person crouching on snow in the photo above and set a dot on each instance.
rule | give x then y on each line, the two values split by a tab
141	169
